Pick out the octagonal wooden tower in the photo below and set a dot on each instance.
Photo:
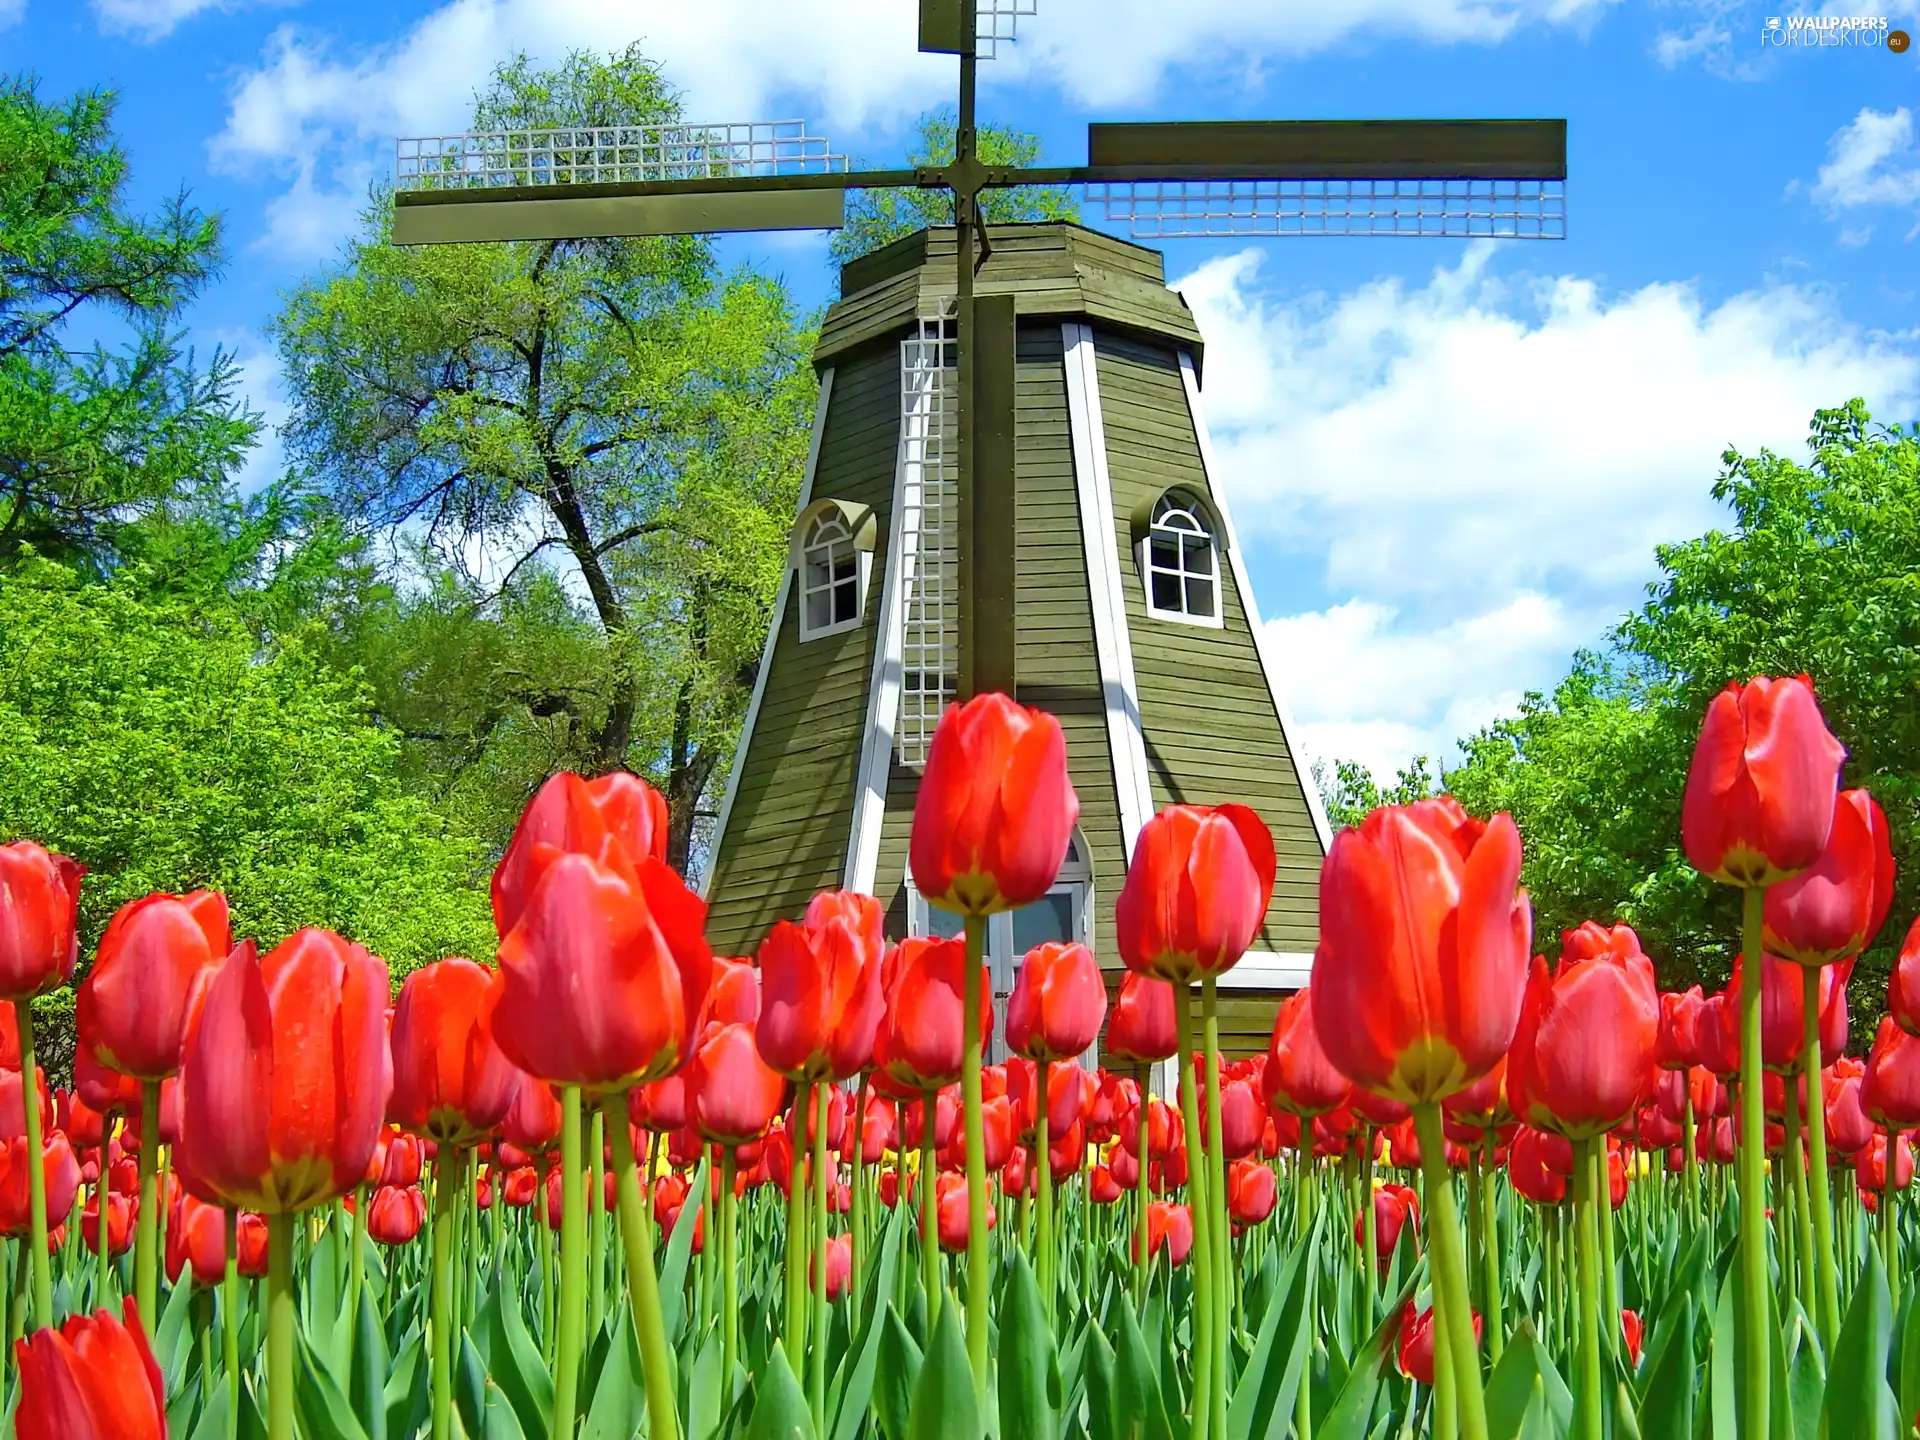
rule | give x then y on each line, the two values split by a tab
1104	581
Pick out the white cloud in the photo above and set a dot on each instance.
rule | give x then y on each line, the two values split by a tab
1872	160
262	392
156	19
1480	467
11	11
848	63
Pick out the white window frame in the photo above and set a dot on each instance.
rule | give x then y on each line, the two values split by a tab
1176	502
813	542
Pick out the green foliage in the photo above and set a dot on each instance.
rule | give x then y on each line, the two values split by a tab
157	740
92	440
1815	575
878	217
615	425
1349	791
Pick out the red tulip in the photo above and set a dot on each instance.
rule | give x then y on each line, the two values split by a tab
1539	1165
1782	993
1848	1128
93	1379
1890	1093
950	1208
946	1114
133	1004
1252	1192
1832	911
1422	962
285	1074
1761	788
59	1168
839	1267
1903	987
120	1210
395	1214
1630	1332
1299	1077
603	981
1066	1094
665	1106
735	1096
919	1044
1677	1044
735	995
1169	1227
1719	1033
1416	1342
1196	891
197	1235
1394	1206
1870	1165
866	1142
1583	1058
1242	1119
1057	1004
583	817
39	910
1066	1152
1102	1187
820	998
450	1081
403	1162
13	1105
1142	1029
1403	1145
995	809
1480	1105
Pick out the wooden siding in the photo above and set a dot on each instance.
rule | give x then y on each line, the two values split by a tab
1054	651
792	813
1059	271
1212	734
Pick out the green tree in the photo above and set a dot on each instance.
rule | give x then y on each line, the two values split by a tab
154	737
94	439
1348	790
878	217
1816	574
616	416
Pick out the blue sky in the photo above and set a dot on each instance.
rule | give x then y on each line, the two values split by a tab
1449	461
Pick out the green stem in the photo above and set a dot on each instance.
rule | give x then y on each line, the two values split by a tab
1819	1186
1754	1367
977	1274
446	1190
37	1258
857	1219
279	1325
929	1211
796	1250
356	1270
596	1227
1219	1226
729	1296
230	1322
817	1366
1370	1291
1140	1195
543	1167
1043	1165
1587	1238
643	1286
1800	1279
1446	1395
1690	1156
571	1321
1203	1306
1448	1262
1490	1247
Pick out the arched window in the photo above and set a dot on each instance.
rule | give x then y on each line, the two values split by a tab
1180	562
832	576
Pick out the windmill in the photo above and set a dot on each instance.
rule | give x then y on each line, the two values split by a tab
1010	484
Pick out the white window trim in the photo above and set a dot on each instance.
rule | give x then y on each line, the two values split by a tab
862	569
1142	557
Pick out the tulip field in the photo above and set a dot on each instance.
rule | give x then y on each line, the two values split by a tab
610	1184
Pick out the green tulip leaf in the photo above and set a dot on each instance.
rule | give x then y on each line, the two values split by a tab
944	1404
1105	1421
1666	1410
1859	1403
707	1391
779	1405
324	1411
470	1385
1029	1374
1138	1390
370	1365
1910	1359
1353	1407
673	1271
1525	1368
895	1375
1263	1399
620	1396
514	1360
853	1387
408	1391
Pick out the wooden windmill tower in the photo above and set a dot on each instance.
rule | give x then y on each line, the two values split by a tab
1010	484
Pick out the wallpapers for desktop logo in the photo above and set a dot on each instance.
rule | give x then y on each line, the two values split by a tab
1825	32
